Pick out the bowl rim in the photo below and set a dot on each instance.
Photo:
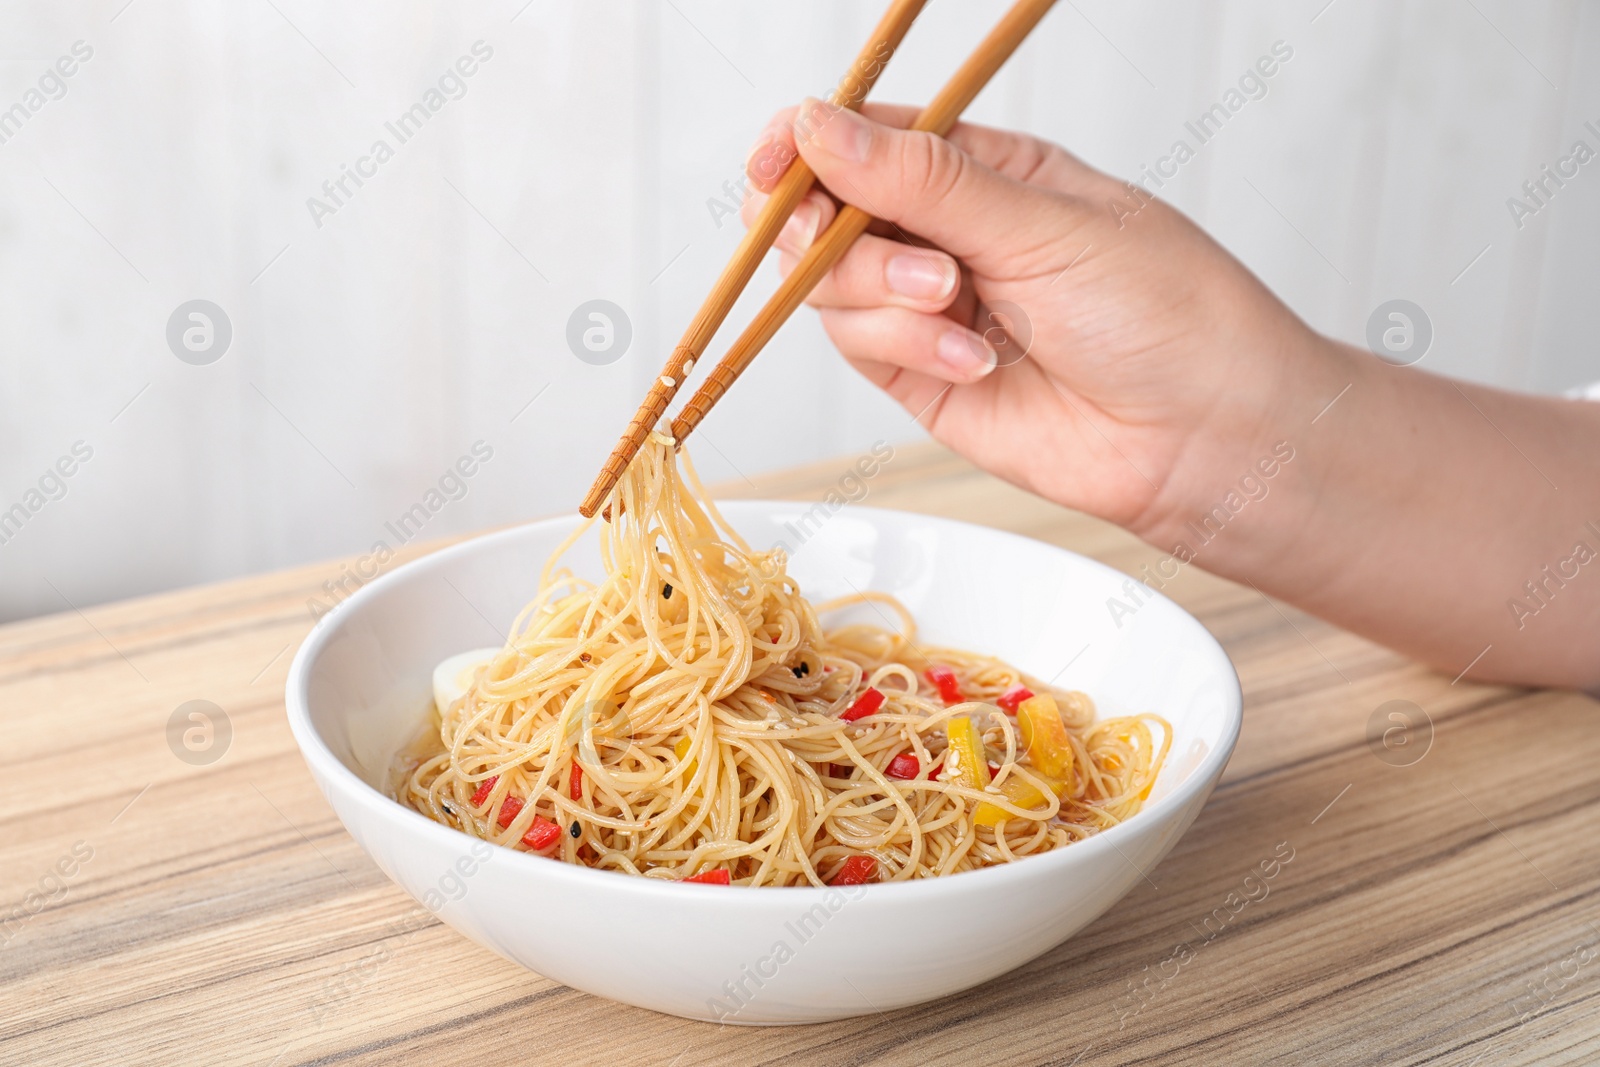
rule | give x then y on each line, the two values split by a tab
332	773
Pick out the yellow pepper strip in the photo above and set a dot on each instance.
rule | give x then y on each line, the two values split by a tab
1020	792
1044	736
681	749
965	762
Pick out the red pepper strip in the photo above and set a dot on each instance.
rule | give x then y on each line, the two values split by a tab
508	809
575	789
542	834
1012	697
994	769
715	877
485	787
857	870
944	679
904	767
865	705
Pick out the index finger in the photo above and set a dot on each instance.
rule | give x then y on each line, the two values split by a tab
1016	155
773	152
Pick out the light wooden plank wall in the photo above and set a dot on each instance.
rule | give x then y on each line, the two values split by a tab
415	321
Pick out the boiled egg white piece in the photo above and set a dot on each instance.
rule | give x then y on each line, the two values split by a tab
454	676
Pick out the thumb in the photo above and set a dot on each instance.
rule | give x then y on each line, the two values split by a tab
927	186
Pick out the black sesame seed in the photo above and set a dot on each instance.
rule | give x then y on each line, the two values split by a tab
577	831
666	591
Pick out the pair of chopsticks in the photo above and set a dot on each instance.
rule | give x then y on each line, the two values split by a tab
850	222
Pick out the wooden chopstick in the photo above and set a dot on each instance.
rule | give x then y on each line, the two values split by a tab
791	189
937	118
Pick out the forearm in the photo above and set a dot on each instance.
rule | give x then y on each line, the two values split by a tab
1440	518
1169	391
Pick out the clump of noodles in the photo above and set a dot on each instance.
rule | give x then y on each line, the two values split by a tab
699	697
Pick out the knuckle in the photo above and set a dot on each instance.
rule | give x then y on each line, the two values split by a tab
1036	156
931	166
807	118
837	326
855	276
832	290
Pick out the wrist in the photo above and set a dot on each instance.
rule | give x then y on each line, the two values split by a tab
1250	474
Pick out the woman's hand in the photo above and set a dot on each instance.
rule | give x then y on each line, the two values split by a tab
1156	364
1161	376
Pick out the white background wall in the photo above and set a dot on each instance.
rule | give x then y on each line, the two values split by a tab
370	353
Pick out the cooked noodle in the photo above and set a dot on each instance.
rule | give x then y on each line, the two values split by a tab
700	698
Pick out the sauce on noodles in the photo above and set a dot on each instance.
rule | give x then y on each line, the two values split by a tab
688	717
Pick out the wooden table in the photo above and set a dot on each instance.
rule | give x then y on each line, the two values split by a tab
1442	911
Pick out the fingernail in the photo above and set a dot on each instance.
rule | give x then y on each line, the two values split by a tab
965	353
801	228
756	153
920	276
768	160
836	130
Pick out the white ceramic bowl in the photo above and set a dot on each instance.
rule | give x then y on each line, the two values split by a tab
360	687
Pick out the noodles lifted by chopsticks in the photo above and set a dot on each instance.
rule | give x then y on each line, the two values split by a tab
688	716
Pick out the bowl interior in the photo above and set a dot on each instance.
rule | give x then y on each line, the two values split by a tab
1048	611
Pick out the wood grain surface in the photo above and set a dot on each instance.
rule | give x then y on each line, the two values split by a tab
1436	910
